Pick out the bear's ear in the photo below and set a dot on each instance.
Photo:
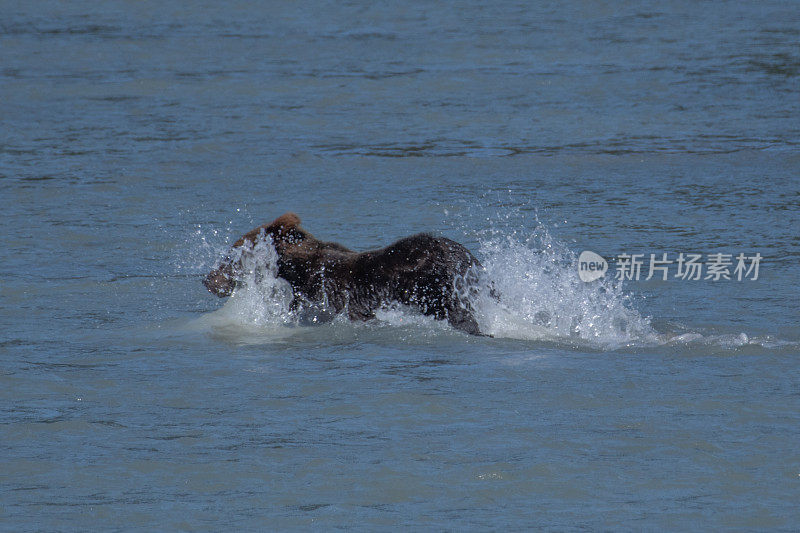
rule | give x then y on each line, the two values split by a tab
282	227
286	229
285	222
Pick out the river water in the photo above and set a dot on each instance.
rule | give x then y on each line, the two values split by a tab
140	139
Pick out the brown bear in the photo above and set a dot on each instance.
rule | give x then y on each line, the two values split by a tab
432	274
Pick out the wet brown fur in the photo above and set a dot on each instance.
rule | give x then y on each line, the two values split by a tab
422	271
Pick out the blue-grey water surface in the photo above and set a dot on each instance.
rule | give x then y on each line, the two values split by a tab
139	139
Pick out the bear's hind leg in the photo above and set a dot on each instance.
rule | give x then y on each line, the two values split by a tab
462	319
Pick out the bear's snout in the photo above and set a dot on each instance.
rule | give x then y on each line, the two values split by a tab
219	283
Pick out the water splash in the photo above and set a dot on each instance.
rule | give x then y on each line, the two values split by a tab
542	298
263	300
532	293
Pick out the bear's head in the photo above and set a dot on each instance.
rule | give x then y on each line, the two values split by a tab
284	233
